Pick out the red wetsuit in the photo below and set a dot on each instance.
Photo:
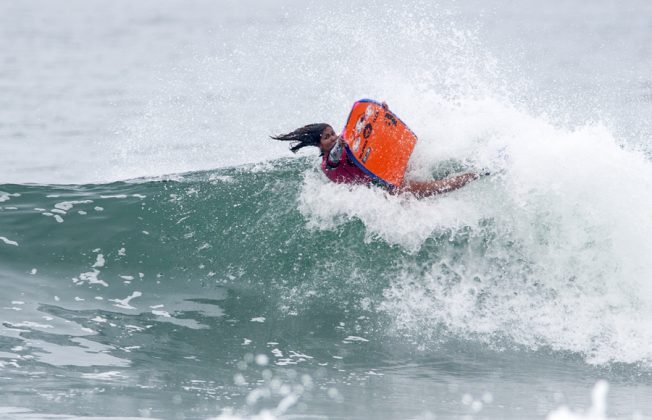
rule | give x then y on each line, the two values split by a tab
338	167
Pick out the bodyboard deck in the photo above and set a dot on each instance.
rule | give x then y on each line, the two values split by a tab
378	142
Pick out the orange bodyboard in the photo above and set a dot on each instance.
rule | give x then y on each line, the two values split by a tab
378	142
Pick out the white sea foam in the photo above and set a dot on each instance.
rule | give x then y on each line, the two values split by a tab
553	250
112	375
67	205
124	303
597	411
90	277
99	262
353	338
8	241
5	196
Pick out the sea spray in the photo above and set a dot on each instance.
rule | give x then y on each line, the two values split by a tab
539	253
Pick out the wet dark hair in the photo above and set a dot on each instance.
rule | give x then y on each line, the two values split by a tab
308	135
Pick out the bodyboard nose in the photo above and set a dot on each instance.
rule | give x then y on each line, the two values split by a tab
378	142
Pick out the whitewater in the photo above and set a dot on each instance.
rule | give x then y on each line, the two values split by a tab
161	257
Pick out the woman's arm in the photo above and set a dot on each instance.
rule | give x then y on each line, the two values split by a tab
428	188
334	156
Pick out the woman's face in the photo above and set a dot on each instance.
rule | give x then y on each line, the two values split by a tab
328	139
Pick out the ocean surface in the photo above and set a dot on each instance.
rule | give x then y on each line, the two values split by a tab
161	257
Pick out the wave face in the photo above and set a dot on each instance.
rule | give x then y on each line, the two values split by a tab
155	283
538	255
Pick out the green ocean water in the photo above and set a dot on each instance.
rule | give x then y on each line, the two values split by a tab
209	292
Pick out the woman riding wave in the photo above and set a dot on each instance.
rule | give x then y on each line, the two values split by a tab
338	167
